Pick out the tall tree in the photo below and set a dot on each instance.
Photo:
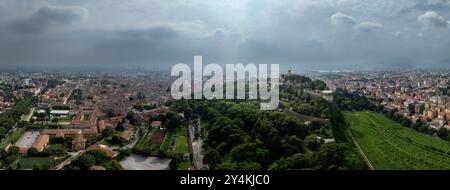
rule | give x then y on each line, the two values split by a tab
212	158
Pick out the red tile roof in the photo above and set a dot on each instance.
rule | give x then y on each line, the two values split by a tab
41	142
58	131
23	150
126	134
108	152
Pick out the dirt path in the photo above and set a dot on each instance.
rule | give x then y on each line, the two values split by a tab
361	152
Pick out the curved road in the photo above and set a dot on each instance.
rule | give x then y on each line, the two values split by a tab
73	156
136	139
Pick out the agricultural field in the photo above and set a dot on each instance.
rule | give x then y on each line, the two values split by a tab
390	146
147	133
150	143
158	137
167	143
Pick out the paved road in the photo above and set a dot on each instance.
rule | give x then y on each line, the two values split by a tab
135	141
197	151
73	156
29	115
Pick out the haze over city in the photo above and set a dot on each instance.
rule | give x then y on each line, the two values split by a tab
306	35
274	88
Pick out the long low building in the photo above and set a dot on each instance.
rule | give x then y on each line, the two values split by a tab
104	149
59	112
35	140
71	133
41	142
26	141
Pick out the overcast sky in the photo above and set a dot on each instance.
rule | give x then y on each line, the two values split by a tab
304	34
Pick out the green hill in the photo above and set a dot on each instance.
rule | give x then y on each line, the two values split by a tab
388	145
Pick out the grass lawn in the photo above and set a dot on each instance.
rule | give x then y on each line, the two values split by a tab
63	122
168	139
182	131
181	141
184	165
181	145
85	117
30	162
107	142
388	145
147	133
66	119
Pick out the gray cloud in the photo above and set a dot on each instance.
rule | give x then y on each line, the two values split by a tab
368	27
319	34
431	18
349	21
340	18
426	5
161	32
47	16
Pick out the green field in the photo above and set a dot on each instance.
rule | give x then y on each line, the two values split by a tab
166	145
185	165
390	146
145	138
181	141
181	145
31	162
